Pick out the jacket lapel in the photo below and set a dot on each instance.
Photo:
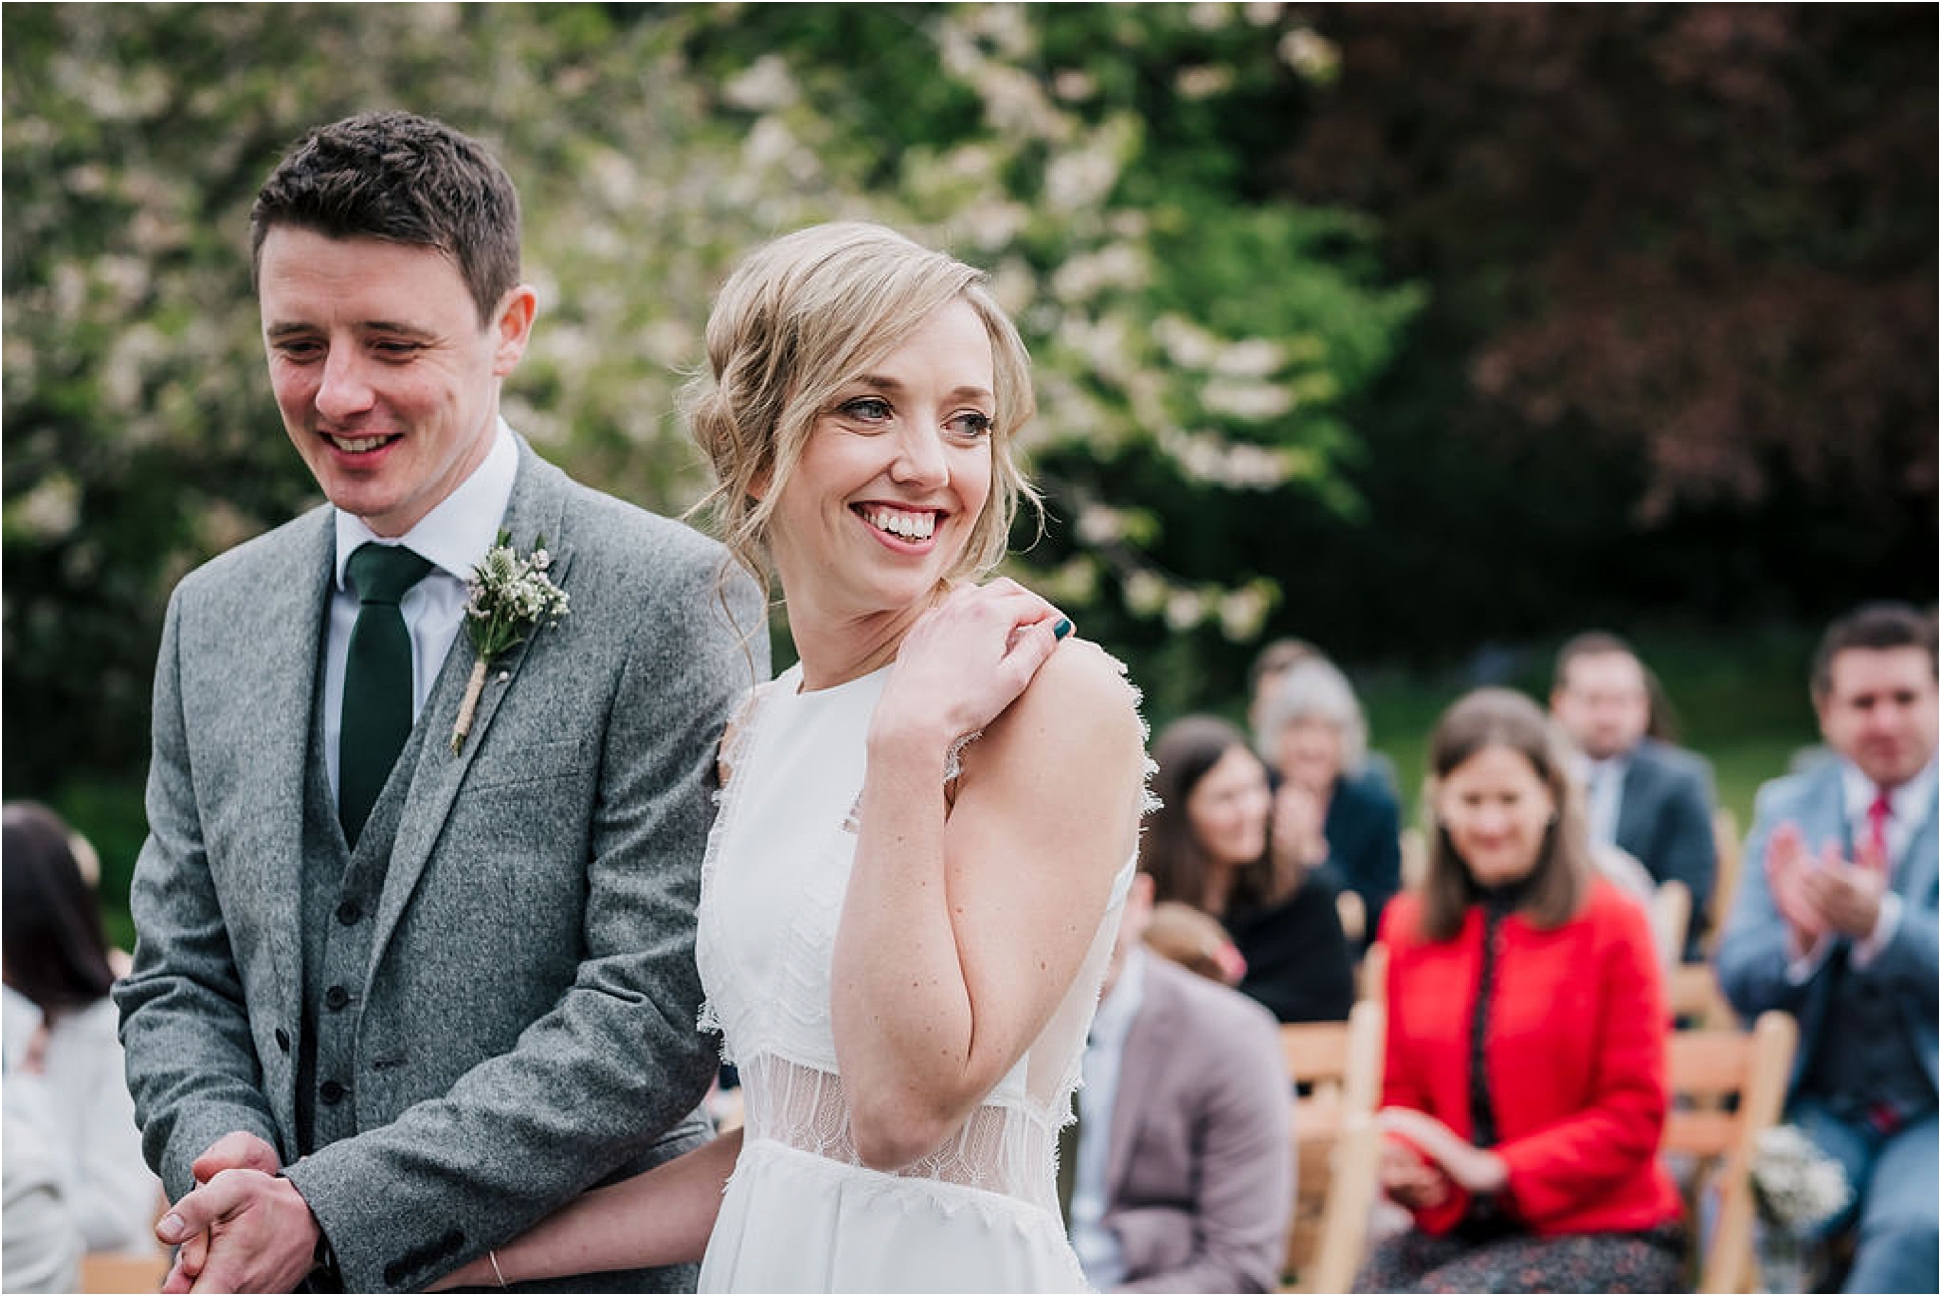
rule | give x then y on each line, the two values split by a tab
285	684
536	508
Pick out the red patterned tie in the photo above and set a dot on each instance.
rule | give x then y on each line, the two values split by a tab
1877	816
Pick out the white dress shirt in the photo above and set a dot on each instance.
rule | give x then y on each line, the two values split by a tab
1096	1245
1603	794
454	536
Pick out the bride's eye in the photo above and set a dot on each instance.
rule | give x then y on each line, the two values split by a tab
871	409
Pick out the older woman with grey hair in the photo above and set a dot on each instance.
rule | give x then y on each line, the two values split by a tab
1337	804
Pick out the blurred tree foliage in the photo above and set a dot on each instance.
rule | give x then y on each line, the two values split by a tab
1398	327
1192	347
1679	355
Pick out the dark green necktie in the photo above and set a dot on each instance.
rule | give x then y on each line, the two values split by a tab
377	680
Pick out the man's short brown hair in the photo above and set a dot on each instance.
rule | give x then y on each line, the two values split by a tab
406	179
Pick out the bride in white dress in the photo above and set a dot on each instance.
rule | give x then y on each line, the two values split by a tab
927	825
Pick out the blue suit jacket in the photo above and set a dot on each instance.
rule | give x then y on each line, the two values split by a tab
1752	952
1665	821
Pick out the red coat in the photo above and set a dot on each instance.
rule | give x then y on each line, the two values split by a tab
1576	1058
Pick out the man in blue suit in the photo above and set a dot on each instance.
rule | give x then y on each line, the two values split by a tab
1836	925
1646	797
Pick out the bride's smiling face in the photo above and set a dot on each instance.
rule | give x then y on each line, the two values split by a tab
893	475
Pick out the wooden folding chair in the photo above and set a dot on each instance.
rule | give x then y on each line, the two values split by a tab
1671	912
1707	1070
1695	998
1371	978
1336	1144
1725	882
124	1271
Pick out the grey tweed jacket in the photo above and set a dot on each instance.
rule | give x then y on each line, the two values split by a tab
527	1015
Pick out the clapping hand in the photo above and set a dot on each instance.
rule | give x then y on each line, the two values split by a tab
1820	897
1300	822
1846	896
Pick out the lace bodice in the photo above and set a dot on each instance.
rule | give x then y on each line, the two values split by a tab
777	866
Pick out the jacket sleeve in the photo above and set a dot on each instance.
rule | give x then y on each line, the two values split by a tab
1554	1171
1245	1179
1752	957
191	1063
619	1060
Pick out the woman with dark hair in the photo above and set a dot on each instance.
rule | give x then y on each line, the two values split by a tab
1220	842
60	1027
1524	1091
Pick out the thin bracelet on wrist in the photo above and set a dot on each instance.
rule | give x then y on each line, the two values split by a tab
498	1273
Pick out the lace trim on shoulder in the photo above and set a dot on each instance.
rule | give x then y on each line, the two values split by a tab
1149	801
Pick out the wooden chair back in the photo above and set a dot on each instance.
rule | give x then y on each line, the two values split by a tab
1671	913
1371	978
1336	1144
1707	1071
1695	998
124	1271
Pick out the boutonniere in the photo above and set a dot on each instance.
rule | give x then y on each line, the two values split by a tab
510	595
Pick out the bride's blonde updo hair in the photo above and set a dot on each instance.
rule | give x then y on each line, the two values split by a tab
801	317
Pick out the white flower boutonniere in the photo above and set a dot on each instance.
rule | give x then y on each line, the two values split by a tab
510	597
1794	1184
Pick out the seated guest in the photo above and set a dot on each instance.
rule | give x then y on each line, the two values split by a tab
1196	941
1524	1089
1179	1175
1313	734
61	1028
40	1248
1270	667
1209	845
1643	795
1835	923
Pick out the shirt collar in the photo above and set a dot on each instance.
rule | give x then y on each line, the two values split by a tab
1909	802
459	530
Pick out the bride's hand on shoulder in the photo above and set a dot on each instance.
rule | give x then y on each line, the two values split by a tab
968	658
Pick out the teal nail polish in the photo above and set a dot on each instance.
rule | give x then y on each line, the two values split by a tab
1063	628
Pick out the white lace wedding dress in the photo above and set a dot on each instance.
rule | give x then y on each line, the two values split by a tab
801	1213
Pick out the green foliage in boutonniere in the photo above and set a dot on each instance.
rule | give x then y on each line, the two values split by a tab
510	596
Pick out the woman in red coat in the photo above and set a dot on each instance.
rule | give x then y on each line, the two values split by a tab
1524	1093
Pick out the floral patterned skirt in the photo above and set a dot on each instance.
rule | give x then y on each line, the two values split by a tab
1414	1261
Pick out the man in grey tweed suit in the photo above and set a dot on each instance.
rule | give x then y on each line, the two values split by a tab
387	1041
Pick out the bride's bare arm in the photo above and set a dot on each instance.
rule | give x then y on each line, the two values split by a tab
963	925
661	1217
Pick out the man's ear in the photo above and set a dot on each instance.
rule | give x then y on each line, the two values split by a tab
512	327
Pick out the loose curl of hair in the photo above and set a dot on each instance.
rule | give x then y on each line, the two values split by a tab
1169	849
800	318
1556	887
